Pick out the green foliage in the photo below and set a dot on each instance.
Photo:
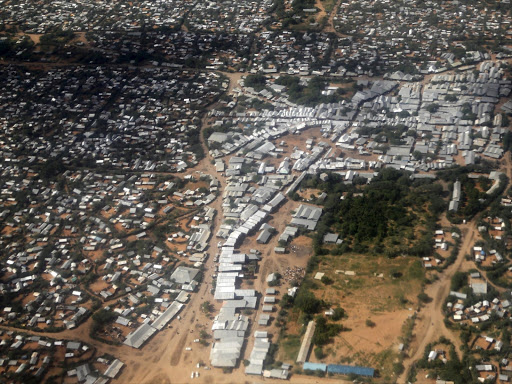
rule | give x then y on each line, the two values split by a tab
392	133
310	94
203	334
339	313
369	216
317	373
207	307
454	369
325	331
256	81
370	323
286	301
459	280
270	358
473	199
424	298
505	122
319	353
368	220
50	169
398	368
6	46
498	276
432	108
450	98
307	302
57	38
507	140
417	155
299	5
104	316
100	319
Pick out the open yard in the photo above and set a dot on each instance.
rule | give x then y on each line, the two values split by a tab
378	295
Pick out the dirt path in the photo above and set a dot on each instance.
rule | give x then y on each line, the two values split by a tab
233	77
322	12
329	26
430	322
507	164
164	358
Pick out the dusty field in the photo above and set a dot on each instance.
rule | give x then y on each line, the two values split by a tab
372	294
99	285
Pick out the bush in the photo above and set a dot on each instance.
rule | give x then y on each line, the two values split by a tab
319	353
338	314
424	298
257	81
459	280
433	108
307	302
324	331
398	368
370	323
286	301
103	316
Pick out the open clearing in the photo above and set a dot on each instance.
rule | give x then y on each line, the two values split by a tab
382	291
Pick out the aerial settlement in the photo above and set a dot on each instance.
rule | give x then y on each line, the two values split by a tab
201	191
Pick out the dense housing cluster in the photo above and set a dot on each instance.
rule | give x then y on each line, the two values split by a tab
105	117
410	33
35	358
450	119
157	152
84	16
229	16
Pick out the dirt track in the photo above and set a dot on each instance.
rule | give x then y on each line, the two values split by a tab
430	321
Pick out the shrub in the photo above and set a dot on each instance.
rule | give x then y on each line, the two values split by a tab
319	353
370	323
338	314
424	298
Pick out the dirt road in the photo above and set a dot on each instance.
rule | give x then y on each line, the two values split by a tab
165	358
430	322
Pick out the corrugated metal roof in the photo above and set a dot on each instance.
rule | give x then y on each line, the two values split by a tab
314	366
139	336
348	369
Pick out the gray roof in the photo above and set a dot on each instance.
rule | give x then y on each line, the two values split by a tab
264	236
308	212
82	371
114	368
73	345
139	336
167	316
330	237
184	275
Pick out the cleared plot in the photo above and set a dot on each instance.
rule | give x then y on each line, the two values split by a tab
377	295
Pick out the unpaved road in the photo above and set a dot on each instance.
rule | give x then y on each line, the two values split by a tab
430	322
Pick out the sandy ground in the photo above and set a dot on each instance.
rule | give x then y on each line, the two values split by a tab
430	324
430	321
164	358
